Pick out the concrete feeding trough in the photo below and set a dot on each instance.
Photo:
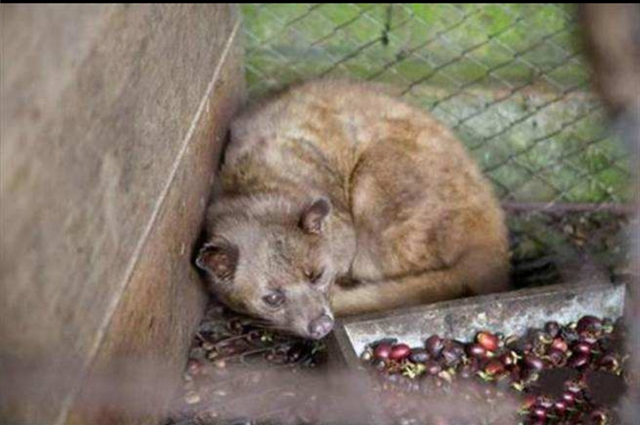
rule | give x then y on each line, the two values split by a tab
510	313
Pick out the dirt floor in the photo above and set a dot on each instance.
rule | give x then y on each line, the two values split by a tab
241	373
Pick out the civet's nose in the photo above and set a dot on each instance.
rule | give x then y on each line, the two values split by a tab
320	327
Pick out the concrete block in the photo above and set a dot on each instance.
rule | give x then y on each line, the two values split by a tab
103	166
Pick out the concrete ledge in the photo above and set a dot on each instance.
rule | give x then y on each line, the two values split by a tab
111	128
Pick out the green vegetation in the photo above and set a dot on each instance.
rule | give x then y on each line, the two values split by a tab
507	78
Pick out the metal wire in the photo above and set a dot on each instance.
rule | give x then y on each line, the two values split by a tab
508	79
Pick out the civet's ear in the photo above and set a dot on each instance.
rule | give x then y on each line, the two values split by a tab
219	258
314	215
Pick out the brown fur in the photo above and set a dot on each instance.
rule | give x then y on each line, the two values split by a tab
412	218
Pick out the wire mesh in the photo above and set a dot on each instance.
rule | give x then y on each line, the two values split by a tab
509	79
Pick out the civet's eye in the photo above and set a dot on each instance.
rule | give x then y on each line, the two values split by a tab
275	299
315	276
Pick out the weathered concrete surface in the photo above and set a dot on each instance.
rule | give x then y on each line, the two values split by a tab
111	126
164	263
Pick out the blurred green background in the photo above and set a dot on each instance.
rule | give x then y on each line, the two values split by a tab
509	79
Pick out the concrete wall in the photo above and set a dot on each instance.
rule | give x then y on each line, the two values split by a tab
112	120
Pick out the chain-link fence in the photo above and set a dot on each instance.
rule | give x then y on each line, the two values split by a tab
509	79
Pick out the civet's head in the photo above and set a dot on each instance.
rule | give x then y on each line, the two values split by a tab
274	266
